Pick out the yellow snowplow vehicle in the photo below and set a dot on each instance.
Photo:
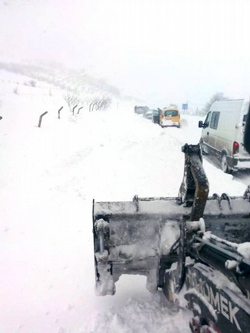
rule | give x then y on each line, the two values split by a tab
170	116
193	244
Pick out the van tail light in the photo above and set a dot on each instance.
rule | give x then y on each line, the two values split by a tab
236	147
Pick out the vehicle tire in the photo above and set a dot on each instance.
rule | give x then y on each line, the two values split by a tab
224	165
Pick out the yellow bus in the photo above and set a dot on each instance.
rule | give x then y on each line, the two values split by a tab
170	116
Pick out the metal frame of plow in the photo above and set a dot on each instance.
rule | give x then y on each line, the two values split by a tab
195	187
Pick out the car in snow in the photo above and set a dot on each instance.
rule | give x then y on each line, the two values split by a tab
170	116
222	134
141	110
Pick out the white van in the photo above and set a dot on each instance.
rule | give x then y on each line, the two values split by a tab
222	134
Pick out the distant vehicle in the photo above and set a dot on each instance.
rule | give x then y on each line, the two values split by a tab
156	116
222	134
170	116
141	109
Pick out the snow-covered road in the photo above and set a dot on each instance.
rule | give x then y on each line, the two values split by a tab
48	178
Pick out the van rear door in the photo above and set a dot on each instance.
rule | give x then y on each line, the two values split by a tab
241	129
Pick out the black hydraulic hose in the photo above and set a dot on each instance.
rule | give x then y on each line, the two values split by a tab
216	257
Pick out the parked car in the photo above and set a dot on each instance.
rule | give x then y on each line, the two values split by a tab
170	116
141	110
222	134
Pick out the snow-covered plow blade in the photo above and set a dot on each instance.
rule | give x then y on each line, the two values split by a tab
136	237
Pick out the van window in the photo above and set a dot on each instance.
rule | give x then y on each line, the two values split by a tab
215	120
207	120
172	113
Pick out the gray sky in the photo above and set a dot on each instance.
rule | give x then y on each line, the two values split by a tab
163	51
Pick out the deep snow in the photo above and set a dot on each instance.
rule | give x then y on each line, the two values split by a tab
48	178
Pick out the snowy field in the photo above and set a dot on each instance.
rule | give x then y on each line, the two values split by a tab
48	178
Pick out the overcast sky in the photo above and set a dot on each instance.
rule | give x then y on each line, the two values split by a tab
163	51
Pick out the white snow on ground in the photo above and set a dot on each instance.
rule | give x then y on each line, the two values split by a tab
48	178
146	314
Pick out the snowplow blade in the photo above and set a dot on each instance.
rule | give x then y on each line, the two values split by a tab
133	237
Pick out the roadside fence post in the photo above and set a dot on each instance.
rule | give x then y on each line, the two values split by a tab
41	117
